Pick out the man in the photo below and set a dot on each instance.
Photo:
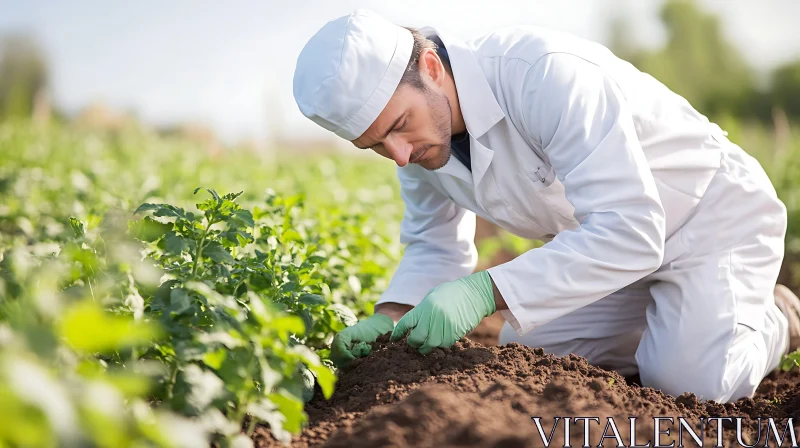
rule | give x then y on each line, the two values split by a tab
663	238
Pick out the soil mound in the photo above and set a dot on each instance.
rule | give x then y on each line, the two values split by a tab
471	395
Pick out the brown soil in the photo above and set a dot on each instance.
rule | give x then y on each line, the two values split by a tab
476	396
488	330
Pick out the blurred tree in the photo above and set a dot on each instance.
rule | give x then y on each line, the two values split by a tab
621	39
785	89
697	62
23	75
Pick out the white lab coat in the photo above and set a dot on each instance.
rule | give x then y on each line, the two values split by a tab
571	145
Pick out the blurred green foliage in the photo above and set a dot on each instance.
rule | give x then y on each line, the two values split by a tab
203	311
786	88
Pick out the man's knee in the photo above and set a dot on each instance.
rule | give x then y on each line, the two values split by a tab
674	370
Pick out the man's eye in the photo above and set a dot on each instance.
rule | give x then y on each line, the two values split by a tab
400	128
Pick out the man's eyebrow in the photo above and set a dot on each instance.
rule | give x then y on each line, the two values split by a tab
385	133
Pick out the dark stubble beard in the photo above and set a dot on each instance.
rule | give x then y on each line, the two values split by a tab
442	118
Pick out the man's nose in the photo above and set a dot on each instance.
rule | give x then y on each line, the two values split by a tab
399	149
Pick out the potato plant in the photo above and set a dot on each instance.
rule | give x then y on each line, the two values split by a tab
71	329
241	299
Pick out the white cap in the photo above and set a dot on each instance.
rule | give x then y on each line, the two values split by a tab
349	70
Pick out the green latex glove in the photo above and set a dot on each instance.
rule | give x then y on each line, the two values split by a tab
448	313
353	342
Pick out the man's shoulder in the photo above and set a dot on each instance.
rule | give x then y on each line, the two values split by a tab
528	44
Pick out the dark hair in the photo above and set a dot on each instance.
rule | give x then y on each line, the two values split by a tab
411	76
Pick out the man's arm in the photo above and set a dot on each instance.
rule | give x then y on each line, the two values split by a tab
586	130
438	236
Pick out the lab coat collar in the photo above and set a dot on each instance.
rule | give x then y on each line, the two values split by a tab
479	107
478	104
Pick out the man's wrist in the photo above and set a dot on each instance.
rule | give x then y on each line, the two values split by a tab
394	310
499	301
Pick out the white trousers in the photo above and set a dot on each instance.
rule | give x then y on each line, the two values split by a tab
706	321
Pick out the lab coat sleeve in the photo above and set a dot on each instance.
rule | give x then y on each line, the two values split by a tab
579	117
439	237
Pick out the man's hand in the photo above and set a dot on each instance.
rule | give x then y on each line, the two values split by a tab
353	342
448	313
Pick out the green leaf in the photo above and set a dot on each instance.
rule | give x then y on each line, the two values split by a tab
163	210
213	193
232	196
146	208
179	301
355	284
344	314
308	320
129	383
269	413
176	244
77	227
312	300
325	378
288	325
246	217
170	211
148	229
790	361
86	327
204	387
227	209
216	252
289	287
215	359
291	235
292	410
187	351
206	205
315	259
238	237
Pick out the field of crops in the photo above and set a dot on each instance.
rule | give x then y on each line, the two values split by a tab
154	294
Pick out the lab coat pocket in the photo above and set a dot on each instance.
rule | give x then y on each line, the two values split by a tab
500	199
559	213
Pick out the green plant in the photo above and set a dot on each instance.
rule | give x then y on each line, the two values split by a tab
231	346
790	361
69	373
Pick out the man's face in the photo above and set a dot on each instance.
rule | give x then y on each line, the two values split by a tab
414	127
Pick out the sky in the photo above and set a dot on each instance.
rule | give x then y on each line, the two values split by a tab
229	65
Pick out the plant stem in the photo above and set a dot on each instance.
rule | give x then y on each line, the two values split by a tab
172	380
199	249
251	427
239	283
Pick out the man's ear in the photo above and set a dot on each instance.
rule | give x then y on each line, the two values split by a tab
431	66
